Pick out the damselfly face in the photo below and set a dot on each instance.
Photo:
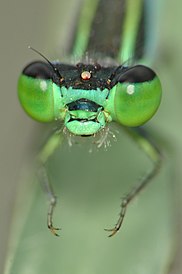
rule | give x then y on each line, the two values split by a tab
88	97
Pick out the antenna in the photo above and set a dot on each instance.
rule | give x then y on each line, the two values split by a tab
47	60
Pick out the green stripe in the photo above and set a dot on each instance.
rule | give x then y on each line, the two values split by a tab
130	29
84	27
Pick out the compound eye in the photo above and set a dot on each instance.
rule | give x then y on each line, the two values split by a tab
38	95
137	95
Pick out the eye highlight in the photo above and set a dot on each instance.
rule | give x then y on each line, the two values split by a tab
137	95
130	89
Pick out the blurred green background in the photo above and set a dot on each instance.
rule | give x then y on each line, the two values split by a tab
89	186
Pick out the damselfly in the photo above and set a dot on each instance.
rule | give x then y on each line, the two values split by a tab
88	96
90	185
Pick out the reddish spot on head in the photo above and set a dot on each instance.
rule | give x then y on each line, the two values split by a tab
85	75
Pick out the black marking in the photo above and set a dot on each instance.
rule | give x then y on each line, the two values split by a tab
139	49
72	76
87	135
83	104
81	120
106	28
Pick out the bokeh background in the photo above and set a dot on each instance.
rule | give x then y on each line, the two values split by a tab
91	183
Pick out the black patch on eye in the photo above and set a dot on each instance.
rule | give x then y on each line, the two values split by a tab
38	69
136	74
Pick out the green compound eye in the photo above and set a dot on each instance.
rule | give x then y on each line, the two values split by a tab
137	95
39	96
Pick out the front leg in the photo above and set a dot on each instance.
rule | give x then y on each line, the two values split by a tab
53	142
155	156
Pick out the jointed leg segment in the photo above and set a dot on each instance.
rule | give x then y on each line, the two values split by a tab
155	156
43	156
